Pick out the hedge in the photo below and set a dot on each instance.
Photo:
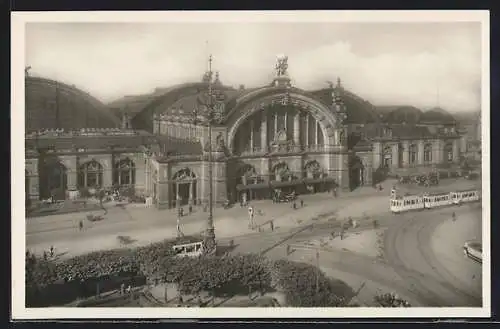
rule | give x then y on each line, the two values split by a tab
53	283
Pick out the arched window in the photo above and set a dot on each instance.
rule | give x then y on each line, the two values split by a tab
413	153
387	156
90	174
313	169
281	172
427	153
247	175
448	151
124	172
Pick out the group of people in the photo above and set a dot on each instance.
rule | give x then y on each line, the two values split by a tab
430	179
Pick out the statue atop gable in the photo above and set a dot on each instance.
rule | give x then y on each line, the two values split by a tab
281	65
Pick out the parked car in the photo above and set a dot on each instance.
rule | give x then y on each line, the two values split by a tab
474	250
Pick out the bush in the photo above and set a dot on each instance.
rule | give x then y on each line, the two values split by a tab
299	283
79	276
391	300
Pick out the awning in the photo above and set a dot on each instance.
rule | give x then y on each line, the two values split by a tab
318	180
241	187
276	184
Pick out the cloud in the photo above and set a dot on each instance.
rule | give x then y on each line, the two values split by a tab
385	64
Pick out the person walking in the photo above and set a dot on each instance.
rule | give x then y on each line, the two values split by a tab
271	224
453	217
51	251
80	225
301	203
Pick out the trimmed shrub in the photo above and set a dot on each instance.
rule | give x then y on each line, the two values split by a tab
52	283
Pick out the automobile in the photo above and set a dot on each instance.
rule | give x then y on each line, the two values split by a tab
474	250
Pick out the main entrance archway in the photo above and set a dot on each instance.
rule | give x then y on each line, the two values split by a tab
184	184
318	126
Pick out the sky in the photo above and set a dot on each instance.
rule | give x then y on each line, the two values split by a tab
419	64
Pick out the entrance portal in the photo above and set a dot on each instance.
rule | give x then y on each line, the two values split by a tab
356	173
55	180
184	187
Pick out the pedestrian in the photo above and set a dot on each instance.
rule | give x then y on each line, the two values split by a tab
80	225
44	255
181	212
454	216
287	249
294	205
271	224
129	289
51	251
335	192
122	288
301	203
190	209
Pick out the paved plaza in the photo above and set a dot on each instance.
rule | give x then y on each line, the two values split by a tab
147	225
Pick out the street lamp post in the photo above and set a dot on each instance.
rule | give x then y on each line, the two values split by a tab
209	234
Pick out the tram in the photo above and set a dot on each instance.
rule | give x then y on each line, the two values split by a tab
194	249
405	203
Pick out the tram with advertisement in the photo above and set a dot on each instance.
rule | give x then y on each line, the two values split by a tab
194	249
405	203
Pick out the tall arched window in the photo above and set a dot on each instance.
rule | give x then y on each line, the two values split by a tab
387	155
427	153
90	174
413	154
448	151
124	172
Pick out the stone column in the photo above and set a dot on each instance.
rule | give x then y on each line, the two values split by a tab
72	172
191	186
251	135
263	132
456	151
377	154
275	124
421	146
316	132
286	125
406	153
395	156
177	196
296	129
107	179
307	130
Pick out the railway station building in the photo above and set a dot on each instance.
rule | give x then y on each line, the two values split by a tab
273	137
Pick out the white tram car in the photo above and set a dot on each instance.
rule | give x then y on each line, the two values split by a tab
428	201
